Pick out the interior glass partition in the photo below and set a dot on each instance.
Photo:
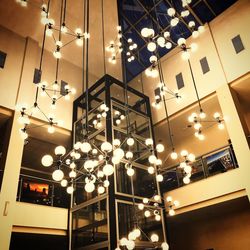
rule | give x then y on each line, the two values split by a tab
97	219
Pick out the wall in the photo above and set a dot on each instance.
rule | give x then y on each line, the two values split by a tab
31	215
217	227
206	189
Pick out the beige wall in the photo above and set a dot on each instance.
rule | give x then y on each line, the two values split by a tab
38	216
206	189
218	228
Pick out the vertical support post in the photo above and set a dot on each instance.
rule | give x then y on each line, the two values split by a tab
111	190
236	133
10	183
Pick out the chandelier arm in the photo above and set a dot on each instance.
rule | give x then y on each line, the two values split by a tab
64	12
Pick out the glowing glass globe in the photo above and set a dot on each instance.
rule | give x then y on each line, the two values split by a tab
152	159
164	246
47	160
151	170
186	180
129	155
159	177
130	141
171	11
58	175
106	183
149	142
160	148
89	187
174	155
106	147
101	190
72	174
137	232
130	172
145	200
64	183
151	46
116	142
141	206
60	150
108	169
147	213
154	238
85	147
119	153
70	190
123	242
171	212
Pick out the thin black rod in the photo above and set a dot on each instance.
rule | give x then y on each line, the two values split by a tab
103	39
42	50
64	12
195	87
87	66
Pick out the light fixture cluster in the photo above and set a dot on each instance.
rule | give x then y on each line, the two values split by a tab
92	161
115	47
198	121
118	117
163	91
186	165
98	119
26	113
164	40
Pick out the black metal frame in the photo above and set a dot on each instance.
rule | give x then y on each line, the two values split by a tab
108	81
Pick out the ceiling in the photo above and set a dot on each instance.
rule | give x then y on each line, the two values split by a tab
137	14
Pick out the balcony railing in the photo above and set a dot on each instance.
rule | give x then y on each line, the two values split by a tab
32	189
215	162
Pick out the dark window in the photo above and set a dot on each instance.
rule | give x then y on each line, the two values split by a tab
179	81
63	84
37	76
204	65
2	59
158	92
237	43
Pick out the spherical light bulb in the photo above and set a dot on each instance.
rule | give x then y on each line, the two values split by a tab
174	155
141	206
145	32
85	147
130	171
154	238
137	232
79	42
171	11
131	236
151	170
188	169
186	180
158	162
197	125
72	165
123	242
161	41
201	137
185	55
60	150
89	187
195	34
119	153
72	174
221	126
108	169
57	54
130	141
130	245
184	153
116	160
100	174
153	59
70	190
147	213
89	165
58	175
106	183
174	22
201	29
171	212
216	115
159	177
168	45
64	183
51	129
151	46
157	217
177	203
183	164
49	32
101	190
164	246
193	47
106	147
157	197
129	155
149	142
191	157
202	115
47	160
152	159
160	148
